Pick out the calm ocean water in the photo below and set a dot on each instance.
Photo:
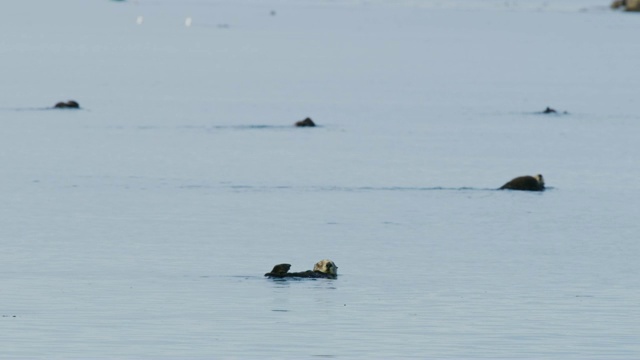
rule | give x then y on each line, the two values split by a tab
141	225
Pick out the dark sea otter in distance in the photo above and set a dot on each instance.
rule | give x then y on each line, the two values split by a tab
323	269
305	123
525	183
71	104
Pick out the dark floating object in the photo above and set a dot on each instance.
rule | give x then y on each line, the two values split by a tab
549	110
280	269
306	123
525	183
67	105
323	269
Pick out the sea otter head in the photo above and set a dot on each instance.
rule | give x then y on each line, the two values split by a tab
540	179
326	266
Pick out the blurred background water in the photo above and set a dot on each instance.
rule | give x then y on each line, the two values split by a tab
140	225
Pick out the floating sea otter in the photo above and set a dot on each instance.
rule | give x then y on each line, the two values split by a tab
323	269
67	105
526	183
305	123
549	110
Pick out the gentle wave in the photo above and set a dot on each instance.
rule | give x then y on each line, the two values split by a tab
29	109
342	188
244	127
135	182
21	109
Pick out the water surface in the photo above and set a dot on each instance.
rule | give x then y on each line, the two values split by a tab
140	225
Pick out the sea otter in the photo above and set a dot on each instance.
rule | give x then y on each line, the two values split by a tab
67	105
527	183
553	111
305	123
323	269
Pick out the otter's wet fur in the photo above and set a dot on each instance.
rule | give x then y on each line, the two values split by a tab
305	123
323	269
71	104
525	183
